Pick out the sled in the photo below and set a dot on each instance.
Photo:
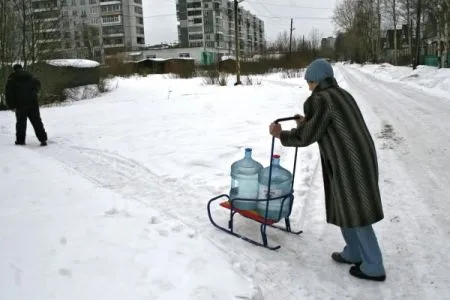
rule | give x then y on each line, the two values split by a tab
264	221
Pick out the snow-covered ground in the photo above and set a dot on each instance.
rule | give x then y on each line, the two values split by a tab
431	79
115	206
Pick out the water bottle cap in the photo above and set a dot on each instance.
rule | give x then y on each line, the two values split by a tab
248	149
276	156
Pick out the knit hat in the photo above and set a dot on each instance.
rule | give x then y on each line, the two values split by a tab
318	70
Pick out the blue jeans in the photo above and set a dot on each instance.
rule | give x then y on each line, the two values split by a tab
362	246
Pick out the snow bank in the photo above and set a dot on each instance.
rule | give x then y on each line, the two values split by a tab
424	76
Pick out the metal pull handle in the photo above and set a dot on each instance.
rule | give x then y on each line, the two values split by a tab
286	119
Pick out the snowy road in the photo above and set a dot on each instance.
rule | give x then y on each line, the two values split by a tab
413	135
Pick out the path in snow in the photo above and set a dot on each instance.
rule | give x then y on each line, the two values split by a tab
413	134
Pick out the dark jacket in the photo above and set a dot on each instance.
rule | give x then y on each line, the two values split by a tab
348	156
21	90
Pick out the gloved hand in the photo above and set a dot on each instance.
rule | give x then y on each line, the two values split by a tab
300	119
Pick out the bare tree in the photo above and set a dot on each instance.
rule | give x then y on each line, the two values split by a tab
9	46
282	42
40	29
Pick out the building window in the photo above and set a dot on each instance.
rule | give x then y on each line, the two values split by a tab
111	8
92	1
140	40
94	10
138	10
113	41
140	20
110	19
195	29
194	13
74	3
194	5
198	21
117	29
139	30
74	13
196	36
82	2
138	1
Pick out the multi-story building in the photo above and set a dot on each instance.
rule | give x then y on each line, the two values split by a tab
210	24
89	28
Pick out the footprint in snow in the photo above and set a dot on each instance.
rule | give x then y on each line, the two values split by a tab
114	211
163	284
192	234
197	265
163	232
65	272
177	228
204	292
63	241
153	220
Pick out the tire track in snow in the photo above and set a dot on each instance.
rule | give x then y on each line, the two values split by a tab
267	269
135	181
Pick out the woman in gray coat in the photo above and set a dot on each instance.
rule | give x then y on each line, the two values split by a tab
350	168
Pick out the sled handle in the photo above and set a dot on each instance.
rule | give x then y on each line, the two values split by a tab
271	155
286	119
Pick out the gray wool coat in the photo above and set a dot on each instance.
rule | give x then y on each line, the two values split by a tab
348	156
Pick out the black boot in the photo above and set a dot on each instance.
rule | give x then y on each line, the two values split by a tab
337	257
20	143
356	271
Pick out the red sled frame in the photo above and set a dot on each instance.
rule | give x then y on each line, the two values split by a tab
253	215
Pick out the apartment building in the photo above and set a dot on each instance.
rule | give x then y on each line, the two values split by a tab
89	29
210	24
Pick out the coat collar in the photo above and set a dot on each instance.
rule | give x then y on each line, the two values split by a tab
325	84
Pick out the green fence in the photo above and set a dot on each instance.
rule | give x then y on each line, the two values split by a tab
208	58
434	61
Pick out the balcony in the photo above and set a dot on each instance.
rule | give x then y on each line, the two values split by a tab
110	2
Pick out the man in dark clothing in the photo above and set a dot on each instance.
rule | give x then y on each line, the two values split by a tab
21	93
349	167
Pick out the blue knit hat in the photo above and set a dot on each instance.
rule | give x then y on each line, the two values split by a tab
318	70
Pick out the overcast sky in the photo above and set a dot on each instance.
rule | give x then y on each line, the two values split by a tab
161	22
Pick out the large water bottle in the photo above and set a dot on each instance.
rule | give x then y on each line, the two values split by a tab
281	184
244	181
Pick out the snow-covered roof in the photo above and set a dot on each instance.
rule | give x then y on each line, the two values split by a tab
77	63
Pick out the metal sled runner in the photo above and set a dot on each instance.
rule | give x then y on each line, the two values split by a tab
253	215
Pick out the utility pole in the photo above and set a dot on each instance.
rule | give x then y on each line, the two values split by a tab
290	39
379	46
418	37
236	42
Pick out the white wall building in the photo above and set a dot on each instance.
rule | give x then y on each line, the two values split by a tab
210	24
89	28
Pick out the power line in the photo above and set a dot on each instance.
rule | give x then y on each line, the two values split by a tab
259	16
287	5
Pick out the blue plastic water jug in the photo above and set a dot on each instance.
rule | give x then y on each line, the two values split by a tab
244	181
281	184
